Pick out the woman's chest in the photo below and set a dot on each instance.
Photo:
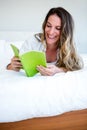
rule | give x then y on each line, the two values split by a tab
51	56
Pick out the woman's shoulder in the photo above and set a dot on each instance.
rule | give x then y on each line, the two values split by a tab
32	43
34	40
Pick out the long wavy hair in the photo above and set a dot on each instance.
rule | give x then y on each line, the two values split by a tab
68	57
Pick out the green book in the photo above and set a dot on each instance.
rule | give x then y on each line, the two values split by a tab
30	60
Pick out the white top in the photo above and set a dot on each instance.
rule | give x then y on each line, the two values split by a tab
32	44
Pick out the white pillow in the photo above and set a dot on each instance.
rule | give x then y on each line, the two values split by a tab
6	53
84	57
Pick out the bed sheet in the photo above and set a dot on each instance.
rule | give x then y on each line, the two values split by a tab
24	97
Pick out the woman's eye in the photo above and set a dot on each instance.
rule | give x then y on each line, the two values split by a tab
48	26
58	28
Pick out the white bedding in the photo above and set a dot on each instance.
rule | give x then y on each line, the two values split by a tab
24	97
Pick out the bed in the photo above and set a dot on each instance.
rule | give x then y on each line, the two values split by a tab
56	102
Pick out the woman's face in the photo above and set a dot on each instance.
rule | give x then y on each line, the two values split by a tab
52	29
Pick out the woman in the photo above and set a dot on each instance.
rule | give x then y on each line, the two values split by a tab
57	42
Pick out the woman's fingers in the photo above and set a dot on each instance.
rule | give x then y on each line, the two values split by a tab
16	64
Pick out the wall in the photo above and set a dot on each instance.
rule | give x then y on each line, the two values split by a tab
28	15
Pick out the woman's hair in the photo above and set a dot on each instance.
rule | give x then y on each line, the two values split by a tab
67	57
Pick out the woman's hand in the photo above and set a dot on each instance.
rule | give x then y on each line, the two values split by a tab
49	70
15	64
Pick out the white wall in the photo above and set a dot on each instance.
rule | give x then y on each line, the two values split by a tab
28	15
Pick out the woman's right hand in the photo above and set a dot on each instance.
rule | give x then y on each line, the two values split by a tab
15	64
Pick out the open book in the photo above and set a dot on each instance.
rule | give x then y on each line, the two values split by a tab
30	60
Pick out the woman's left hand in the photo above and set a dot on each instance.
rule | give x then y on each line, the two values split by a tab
49	70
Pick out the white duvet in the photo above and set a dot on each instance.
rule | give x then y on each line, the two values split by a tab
24	97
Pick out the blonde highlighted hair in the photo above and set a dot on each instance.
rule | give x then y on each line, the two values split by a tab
68	57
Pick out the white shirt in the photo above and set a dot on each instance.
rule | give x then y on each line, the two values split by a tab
33	44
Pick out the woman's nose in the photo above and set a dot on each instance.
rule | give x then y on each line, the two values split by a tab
51	31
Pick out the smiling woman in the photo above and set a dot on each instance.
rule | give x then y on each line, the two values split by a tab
52	31
57	43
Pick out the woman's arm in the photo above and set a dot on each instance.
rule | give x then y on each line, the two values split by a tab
50	70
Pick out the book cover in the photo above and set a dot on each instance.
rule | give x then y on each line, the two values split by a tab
30	60
15	50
